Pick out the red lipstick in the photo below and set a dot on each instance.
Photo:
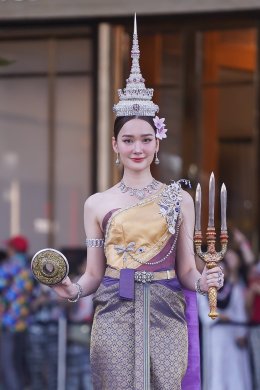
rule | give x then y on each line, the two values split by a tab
138	159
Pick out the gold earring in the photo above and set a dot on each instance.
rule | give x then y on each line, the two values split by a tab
156	160
117	162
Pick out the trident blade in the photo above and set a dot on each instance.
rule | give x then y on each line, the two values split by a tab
211	200
223	201
198	208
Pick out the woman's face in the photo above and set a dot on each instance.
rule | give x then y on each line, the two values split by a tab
136	144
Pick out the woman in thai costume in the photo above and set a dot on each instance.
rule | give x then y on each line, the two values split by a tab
141	265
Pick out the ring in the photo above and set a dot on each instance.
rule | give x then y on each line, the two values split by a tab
220	281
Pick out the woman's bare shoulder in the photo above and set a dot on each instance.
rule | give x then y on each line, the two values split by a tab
95	201
92	200
187	200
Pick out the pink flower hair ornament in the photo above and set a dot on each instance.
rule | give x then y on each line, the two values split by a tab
160	127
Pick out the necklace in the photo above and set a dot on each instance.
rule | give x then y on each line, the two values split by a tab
139	193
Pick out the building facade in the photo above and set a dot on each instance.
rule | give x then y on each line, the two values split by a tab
61	62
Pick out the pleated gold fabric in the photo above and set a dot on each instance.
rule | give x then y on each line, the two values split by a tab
129	237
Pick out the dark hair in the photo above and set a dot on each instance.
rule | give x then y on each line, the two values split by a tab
3	256
121	120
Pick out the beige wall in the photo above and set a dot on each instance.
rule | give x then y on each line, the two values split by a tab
17	9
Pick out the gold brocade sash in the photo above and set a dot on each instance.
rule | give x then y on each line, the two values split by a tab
136	234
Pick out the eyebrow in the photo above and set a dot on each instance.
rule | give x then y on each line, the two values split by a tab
131	136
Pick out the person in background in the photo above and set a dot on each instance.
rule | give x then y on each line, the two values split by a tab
3	256
16	284
253	308
243	246
42	338
224	340
80	316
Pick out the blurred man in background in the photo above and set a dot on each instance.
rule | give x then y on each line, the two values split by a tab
16	285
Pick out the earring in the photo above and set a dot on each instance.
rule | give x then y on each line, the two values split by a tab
117	162
156	160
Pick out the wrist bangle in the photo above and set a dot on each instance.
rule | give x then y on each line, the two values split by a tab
198	289
80	292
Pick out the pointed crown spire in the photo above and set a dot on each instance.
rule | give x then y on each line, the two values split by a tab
135	99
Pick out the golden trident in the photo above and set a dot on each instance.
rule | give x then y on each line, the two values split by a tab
211	257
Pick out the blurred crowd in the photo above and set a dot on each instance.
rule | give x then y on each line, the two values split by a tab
34	342
231	343
44	341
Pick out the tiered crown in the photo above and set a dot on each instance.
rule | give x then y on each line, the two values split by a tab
135	99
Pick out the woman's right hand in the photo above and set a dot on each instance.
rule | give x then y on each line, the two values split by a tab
66	289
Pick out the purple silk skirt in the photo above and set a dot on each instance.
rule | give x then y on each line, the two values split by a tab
149	343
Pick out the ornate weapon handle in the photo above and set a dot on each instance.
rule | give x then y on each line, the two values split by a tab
211	257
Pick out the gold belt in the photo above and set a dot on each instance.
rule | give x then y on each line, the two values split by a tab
143	276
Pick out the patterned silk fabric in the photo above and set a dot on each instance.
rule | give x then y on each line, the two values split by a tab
150	341
128	236
117	339
135	235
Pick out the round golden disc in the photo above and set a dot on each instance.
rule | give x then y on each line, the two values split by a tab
49	266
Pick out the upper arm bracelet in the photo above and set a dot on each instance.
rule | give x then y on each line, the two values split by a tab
94	242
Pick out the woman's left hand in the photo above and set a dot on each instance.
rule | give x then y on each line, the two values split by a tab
213	277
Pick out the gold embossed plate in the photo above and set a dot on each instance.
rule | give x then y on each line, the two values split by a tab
49	266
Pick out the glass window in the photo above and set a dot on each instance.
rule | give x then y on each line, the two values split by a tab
229	55
45	132
164	74
24	159
238	171
171	59
230	110
73	157
170	154
24	56
74	55
228	121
